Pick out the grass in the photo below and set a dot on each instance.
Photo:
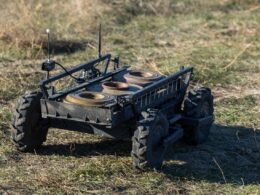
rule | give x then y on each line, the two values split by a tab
219	38
236	111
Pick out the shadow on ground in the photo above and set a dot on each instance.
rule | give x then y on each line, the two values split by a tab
104	147
230	155
64	46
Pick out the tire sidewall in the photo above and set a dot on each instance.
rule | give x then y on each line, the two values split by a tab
29	128
198	134
154	154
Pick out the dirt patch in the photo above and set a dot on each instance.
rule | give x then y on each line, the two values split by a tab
236	92
237	157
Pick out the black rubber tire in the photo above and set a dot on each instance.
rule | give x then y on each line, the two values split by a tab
198	104
29	129
147	148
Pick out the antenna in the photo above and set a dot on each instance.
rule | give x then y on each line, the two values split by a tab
99	41
49	64
48	33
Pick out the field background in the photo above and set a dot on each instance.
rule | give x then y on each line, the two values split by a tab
220	38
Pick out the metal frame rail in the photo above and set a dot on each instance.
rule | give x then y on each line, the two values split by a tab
162	90
86	66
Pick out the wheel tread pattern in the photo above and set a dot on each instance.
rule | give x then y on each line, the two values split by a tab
23	136
192	106
141	138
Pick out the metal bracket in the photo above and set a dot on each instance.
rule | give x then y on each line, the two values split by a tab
174	137
196	122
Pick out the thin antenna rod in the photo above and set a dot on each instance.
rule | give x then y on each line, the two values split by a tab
48	33
99	41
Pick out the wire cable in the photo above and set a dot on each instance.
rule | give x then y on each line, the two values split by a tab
79	80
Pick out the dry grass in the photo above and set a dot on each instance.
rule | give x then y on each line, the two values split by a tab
214	36
23	23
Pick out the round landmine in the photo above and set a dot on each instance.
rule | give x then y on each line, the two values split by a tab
115	85
87	98
119	88
141	78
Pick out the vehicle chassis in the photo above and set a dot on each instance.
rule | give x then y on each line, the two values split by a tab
113	119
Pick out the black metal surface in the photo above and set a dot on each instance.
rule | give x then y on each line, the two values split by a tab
173	119
162	82
85	66
119	112
79	86
177	133
48	65
61	110
77	68
197	122
122	131
99	41
166	95
110	115
170	88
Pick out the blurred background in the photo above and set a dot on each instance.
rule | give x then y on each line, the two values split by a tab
160	34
